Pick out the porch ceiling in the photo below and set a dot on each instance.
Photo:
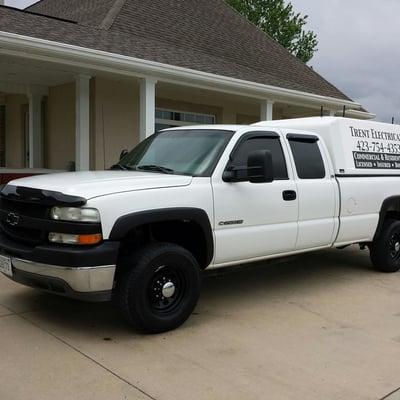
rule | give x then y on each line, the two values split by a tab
186	93
17	71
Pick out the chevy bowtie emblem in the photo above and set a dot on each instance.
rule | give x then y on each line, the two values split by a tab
12	219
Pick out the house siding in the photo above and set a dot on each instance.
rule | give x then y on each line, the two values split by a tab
14	122
59	138
115	123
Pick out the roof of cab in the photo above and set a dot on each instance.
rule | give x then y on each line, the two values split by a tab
220	127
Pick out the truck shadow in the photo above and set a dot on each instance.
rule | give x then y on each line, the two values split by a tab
243	286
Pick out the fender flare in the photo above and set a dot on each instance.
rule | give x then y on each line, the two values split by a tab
390	204
126	223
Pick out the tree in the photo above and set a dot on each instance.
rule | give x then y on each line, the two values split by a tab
282	23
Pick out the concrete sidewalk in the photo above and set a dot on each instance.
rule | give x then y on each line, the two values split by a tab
321	326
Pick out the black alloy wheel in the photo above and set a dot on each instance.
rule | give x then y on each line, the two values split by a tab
385	249
159	287
167	289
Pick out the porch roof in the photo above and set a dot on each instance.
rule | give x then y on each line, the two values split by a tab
206	36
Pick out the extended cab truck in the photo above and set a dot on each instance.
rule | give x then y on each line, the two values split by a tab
201	197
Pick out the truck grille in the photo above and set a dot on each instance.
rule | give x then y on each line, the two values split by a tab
25	235
12	212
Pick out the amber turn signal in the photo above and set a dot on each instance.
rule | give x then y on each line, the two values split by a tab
90	239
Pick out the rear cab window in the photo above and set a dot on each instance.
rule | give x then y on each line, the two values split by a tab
307	156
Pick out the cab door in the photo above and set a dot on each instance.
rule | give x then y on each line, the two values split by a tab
255	220
317	192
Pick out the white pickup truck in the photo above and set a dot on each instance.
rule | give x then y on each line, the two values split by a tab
201	197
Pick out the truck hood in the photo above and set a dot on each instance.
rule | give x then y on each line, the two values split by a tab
101	183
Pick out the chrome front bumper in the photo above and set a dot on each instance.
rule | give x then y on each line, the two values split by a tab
74	282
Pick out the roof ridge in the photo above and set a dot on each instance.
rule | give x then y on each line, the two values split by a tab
112	14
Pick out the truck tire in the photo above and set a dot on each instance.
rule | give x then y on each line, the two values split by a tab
159	288
385	250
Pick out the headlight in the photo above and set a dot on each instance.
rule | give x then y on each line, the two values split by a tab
75	214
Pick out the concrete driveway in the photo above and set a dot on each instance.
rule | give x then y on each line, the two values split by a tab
320	326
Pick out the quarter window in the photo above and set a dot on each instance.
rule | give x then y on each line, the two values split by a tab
262	143
307	157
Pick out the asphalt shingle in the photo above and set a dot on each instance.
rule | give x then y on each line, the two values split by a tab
204	35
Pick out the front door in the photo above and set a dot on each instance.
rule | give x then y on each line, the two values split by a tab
254	220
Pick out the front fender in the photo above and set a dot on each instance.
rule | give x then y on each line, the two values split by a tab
128	222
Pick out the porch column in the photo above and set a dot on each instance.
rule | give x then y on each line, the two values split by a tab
82	129
147	109
267	110
35	130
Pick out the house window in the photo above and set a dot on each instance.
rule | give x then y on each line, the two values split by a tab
171	118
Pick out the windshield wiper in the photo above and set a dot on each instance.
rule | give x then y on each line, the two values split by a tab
122	167
157	168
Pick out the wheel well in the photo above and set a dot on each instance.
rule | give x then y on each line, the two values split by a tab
186	233
390	210
392	214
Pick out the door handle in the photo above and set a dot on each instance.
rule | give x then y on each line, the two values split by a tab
289	195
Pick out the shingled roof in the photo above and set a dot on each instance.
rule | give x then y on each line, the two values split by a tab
205	35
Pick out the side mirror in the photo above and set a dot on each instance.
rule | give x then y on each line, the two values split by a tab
259	166
229	175
123	154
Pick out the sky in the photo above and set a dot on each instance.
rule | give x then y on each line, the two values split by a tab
19	3
358	52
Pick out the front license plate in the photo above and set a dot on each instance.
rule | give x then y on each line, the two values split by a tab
5	265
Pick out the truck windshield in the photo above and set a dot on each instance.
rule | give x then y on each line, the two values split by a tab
192	152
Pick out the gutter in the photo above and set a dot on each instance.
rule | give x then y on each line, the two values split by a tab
358	114
90	59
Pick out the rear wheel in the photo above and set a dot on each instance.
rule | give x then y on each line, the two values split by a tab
159	288
385	250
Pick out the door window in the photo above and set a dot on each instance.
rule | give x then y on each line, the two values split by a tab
307	156
259	142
